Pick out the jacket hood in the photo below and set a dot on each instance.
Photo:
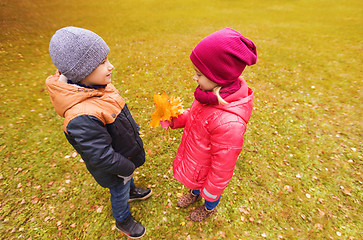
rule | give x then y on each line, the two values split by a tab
64	96
239	104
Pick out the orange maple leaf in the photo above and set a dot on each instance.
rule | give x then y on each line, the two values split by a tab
166	108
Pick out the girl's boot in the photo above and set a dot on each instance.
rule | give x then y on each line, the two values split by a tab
188	199
201	213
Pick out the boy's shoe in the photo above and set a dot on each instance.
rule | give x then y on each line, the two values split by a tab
139	194
131	228
188	199
201	213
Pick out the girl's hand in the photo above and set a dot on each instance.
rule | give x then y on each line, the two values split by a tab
165	124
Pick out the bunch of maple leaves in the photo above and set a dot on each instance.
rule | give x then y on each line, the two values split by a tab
166	108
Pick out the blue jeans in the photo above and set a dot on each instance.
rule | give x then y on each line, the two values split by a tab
207	204
120	195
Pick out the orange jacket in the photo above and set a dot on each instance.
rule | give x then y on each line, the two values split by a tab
98	124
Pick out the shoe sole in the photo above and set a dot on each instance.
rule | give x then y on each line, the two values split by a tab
130	236
143	198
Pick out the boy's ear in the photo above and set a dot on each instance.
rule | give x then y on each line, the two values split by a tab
57	72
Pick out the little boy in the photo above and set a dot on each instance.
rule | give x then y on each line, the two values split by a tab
97	122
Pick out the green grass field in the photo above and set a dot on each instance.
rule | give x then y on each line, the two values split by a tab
300	173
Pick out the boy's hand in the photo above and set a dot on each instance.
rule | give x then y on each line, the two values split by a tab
126	179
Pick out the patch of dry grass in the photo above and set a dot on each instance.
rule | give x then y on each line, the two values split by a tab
299	175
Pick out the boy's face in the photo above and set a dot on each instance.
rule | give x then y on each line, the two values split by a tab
204	83
101	75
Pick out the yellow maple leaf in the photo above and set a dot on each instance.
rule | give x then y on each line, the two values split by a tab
166	108
176	106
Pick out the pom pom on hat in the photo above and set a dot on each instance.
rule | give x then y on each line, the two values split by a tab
223	55
76	52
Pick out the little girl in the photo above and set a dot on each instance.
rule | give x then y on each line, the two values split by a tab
215	123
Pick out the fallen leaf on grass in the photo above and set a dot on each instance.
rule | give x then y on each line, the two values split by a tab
59	225
348	192
321	212
243	210
35	200
288	188
99	209
319	226
222	234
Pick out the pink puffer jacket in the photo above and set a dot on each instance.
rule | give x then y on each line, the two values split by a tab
211	142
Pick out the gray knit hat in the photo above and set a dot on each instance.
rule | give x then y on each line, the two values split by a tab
76	52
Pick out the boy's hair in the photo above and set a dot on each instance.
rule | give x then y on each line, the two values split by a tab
77	52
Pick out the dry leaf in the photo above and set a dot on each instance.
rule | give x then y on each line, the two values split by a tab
319	226
348	191
99	209
288	188
321	212
222	234
243	210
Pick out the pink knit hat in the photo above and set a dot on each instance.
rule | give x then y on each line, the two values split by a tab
223	55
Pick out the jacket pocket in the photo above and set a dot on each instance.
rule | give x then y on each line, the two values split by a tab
201	173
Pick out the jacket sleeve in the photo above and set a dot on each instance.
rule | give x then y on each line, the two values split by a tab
226	145
181	120
92	141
